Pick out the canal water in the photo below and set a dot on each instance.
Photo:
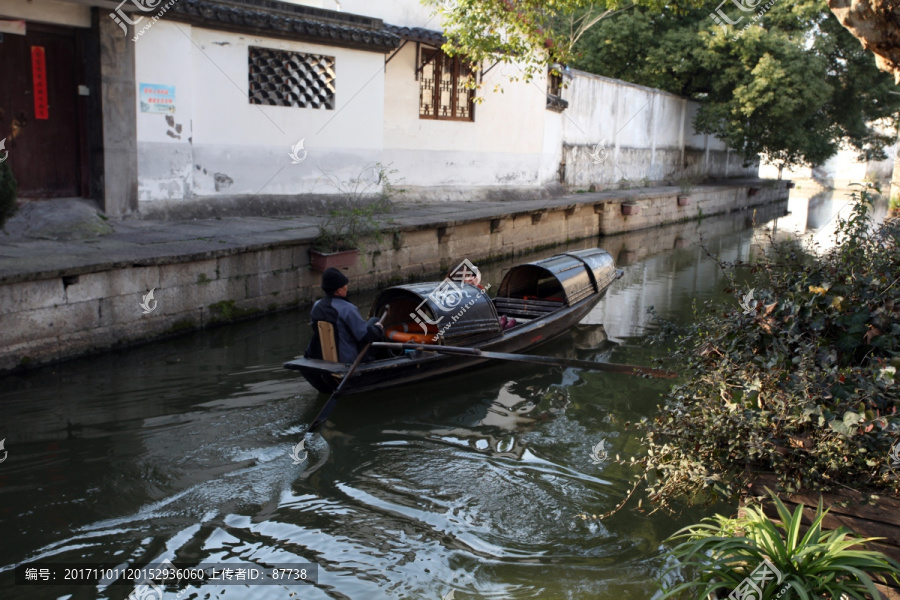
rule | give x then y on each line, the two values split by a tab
473	486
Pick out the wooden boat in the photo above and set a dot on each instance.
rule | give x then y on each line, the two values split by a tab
545	298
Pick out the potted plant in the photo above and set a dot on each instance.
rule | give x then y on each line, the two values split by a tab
725	552
685	187
341	233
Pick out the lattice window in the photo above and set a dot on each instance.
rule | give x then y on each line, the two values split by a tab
285	78
442	87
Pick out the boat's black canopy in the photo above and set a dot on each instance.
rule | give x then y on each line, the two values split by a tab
567	278
457	310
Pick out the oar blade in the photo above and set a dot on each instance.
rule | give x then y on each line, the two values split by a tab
323	414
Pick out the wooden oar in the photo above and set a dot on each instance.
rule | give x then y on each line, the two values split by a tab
529	358
332	402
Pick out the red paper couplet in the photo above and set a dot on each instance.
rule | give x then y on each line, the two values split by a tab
39	77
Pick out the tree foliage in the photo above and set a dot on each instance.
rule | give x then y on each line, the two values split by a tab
791	85
531	33
800	381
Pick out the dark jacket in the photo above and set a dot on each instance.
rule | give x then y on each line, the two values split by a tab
352	331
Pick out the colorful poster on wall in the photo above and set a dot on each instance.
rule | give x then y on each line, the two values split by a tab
158	99
39	80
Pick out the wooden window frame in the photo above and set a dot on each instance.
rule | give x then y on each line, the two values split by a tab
459	69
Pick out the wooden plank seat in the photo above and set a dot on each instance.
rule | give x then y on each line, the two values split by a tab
329	345
527	309
327	338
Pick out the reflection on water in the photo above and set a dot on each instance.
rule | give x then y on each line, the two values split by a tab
181	450
814	215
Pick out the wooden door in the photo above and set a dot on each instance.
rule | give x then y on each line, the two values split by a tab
43	142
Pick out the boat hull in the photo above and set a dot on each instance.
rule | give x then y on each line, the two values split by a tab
325	376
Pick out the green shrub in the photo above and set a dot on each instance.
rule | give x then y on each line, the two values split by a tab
720	553
357	216
8	189
800	381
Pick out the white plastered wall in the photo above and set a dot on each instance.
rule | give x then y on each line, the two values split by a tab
504	146
230	147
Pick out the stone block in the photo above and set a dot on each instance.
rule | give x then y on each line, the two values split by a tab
552	216
30	295
277	283
120	310
236	288
419	237
300	256
183	274
237	265
424	254
382	261
521	222
187	298
276	259
29	353
472	247
48	322
518	238
118	282
472	230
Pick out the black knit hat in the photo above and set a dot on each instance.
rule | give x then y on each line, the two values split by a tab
332	280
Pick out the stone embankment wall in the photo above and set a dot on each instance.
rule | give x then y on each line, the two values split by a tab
50	316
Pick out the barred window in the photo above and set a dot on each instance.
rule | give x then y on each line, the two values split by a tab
442	87
285	78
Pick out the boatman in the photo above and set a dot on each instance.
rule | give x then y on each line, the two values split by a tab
351	330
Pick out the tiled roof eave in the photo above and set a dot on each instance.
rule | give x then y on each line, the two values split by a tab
260	19
418	34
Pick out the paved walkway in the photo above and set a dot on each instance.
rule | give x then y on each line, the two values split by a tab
52	238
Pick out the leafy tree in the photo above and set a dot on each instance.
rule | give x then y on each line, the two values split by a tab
531	33
792	86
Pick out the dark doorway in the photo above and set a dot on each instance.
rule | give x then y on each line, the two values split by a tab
44	138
